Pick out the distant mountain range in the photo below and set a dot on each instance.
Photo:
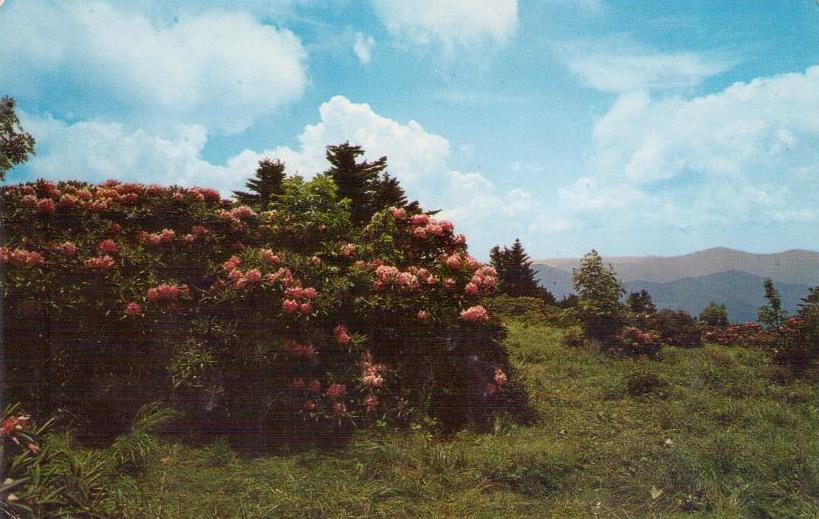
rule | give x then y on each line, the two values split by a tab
691	281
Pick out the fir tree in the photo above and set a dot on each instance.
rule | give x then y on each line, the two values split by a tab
714	315
357	181
771	316
265	187
15	144
809	301
517	277
640	302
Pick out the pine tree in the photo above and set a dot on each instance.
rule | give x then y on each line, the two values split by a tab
265	187
771	316
714	315
640	302
15	144
598	297
357	181
809	301
517	277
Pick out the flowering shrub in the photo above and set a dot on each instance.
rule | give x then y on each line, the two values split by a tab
635	341
675	328
118	294
740	334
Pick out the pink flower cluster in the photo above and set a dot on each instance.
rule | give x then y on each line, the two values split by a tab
342	335
269	257
299	300
425	227
108	247
100	262
245	279
391	277
347	250
133	309
372	374
638	341
21	257
167	294
483	281
299	349
458	261
475	314
336	391
164	237
68	248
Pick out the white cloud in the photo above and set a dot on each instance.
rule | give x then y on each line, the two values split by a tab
450	22
622	66
363	47
218	69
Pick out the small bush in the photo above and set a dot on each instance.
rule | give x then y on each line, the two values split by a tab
635	341
675	328
644	383
574	339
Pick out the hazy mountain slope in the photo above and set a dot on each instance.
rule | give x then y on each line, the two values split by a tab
793	266
741	292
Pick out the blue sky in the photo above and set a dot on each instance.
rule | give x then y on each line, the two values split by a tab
632	127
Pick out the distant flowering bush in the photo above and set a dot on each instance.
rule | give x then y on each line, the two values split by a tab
635	341
174	293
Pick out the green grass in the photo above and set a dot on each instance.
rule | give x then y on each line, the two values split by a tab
708	435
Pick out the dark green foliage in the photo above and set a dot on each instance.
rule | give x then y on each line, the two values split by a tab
640	383
568	301
16	146
771	316
809	301
599	292
387	192
675	328
714	315
265	187
640	302
359	182
515	272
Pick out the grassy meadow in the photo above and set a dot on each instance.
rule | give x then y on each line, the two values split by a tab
705	432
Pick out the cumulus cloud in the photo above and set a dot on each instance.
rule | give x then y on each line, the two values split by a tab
363	47
722	164
218	69
622	66
452	23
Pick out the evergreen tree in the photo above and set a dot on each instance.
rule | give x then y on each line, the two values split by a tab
640	302
771	316
714	315
15	144
389	193
598	292
809	301
517	277
265	187
357	181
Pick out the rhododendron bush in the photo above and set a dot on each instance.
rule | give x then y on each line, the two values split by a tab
120	293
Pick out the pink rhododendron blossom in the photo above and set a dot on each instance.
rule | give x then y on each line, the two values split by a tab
107	246
399	213
269	257
336	391
315	261
371	403
342	336
232	263
133	309
100	262
423	315
500	377
339	408
305	308
68	201
29	200
21	257
299	349
45	206
167	293
347	250
476	314
309	406
314	386
298	383
67	248
290	306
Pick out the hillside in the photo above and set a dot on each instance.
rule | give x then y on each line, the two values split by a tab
792	266
740	292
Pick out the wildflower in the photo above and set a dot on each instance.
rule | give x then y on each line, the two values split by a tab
336	391
342	336
45	206
107	246
100	262
475	314
133	309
